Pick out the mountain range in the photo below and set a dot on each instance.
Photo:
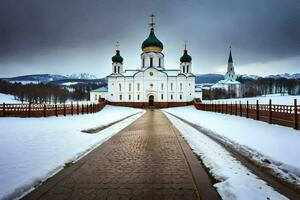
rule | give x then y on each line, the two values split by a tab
89	78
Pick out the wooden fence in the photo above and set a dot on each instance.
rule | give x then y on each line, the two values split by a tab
45	110
285	115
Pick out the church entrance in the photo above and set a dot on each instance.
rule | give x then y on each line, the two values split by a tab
151	100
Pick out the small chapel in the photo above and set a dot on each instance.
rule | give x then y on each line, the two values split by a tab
152	84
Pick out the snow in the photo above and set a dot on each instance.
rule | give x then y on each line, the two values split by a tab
236	181
258	140
276	99
6	98
33	149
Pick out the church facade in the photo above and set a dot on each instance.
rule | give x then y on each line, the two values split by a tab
151	84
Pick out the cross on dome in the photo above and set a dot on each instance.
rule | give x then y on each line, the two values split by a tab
185	44
152	21
117	45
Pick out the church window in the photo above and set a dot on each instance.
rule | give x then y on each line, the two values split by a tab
162	86
171	86
120	97
151	85
159	62
162	96
183	69
143	62
120	87
129	87
138	97
180	97
187	69
180	86
171	96
129	97
151	62
115	69
138	87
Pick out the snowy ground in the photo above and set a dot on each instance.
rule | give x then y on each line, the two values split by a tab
236	181
272	146
36	148
6	98
276	99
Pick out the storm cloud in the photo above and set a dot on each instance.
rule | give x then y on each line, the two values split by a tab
73	36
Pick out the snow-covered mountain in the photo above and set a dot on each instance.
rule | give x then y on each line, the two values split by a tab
82	76
285	75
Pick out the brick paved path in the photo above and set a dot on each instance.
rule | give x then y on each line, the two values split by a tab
146	160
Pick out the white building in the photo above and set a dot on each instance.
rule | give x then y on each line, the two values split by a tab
151	84
230	84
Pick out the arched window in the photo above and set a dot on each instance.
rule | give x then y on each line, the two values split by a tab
129	87
143	62
159	62
120	87
187	69
162	96
138	97
138	87
151	62
162	86
115	69
120	97
129	97
180	97
171	86
183	69
180	86
171	96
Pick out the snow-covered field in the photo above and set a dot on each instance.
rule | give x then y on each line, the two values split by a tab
276	99
236	181
6	98
36	148
273	146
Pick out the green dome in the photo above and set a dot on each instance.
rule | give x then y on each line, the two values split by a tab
117	58
186	57
152	41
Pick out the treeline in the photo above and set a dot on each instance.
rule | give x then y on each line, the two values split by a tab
47	93
258	87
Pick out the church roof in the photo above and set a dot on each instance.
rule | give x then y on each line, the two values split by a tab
228	81
230	57
101	89
152	41
117	58
185	57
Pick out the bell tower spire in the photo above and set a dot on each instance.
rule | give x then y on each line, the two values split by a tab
117	61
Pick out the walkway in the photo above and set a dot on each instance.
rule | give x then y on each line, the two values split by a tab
146	160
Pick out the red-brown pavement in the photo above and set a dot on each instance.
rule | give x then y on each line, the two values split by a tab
147	160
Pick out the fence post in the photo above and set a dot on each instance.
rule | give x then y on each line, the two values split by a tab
64	109
270	111
3	109
77	108
247	110
222	107
72	110
45	114
82	109
29	110
296	114
235	108
257	110
241	112
226	108
56	113
231	108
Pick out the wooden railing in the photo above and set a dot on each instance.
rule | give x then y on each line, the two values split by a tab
285	115
45	110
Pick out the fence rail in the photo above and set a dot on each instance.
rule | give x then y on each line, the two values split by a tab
285	115
45	110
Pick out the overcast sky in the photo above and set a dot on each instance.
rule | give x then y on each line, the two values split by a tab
75	36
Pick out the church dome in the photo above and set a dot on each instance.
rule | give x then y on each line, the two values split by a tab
152	43
186	57
117	58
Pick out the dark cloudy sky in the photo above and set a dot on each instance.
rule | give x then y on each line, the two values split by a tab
74	36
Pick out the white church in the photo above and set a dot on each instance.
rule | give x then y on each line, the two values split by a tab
152	84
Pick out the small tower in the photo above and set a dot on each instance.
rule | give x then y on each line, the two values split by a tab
117	62
185	61
230	74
